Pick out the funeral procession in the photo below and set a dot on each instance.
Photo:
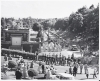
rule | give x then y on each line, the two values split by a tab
49	40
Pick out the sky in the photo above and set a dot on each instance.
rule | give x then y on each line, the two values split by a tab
42	8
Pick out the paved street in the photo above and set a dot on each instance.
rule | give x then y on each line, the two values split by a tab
11	74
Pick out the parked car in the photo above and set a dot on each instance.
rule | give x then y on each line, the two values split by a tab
62	76
74	48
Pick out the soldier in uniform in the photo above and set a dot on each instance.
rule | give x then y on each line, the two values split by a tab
45	58
56	58
36	56
60	59
52	59
49	59
68	61
63	60
53	56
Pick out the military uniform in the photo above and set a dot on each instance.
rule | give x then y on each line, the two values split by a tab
47	60
68	61
56	59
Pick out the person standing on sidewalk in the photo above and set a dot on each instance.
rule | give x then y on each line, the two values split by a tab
70	70
85	67
74	70
6	59
81	68
95	73
87	73
32	64
18	74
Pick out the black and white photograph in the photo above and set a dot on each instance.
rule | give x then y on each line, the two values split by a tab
49	40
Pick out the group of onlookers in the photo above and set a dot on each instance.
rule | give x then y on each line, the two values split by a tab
74	70
23	67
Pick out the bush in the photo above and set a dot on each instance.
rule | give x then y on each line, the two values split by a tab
12	64
32	72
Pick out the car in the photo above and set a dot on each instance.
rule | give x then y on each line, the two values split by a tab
74	48
62	76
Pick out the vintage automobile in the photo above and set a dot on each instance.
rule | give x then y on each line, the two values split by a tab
62	76
74	48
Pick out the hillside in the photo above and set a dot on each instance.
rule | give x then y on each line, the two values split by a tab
81	27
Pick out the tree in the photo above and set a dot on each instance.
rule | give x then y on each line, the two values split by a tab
3	23
84	10
92	7
75	23
36	26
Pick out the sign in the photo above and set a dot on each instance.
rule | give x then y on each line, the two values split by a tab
16	40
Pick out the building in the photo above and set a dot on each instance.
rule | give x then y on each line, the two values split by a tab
20	39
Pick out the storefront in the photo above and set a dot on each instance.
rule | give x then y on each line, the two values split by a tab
20	40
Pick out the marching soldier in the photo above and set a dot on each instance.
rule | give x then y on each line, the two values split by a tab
53	56
43	57
36	56
63	60
52	59
47	59
68	61
56	58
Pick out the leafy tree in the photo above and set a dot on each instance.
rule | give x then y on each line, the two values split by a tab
36	26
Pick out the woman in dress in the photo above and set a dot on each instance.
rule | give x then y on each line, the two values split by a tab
25	72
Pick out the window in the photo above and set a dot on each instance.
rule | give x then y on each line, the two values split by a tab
32	34
32	39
